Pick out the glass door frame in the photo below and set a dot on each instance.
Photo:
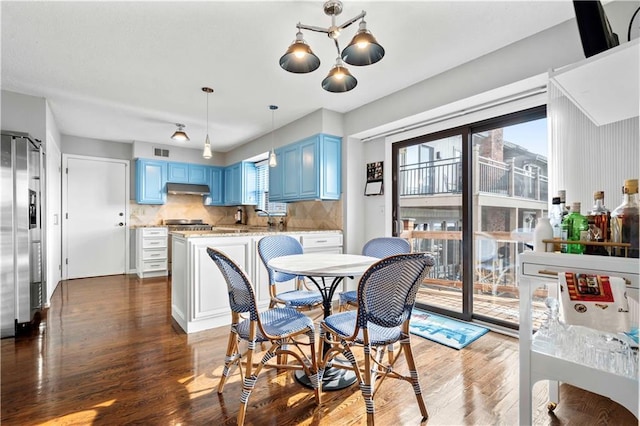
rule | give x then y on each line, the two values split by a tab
466	132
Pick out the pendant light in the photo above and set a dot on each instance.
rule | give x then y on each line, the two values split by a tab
180	134
273	160
363	50
207	144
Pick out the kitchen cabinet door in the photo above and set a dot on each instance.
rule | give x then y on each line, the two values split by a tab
330	168
240	184
291	172
151	177
178	173
309	163
276	178
198	174
215	182
232	185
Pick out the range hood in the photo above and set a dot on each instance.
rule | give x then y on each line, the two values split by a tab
187	189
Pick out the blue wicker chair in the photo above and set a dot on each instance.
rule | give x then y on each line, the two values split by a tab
284	328
273	246
377	247
386	296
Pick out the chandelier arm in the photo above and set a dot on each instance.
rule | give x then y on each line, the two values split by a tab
337	46
352	20
313	28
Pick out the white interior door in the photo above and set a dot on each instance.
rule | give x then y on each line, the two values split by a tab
95	216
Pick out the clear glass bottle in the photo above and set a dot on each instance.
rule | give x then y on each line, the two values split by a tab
555	219
574	228
625	225
599	232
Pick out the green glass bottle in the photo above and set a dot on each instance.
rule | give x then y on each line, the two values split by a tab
575	227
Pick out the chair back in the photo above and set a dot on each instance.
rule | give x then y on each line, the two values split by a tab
386	246
387	290
273	246
241	296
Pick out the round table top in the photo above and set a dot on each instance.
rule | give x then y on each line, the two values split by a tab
323	264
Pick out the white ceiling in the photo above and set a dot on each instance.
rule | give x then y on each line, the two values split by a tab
126	71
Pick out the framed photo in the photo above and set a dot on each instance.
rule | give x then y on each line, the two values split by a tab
374	184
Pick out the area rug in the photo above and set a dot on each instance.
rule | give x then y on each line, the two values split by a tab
446	331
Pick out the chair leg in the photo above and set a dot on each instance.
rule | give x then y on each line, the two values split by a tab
249	377
313	371
232	356
415	381
366	386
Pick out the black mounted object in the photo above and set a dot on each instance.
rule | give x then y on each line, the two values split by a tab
595	32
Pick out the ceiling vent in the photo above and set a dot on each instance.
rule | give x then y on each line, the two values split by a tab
160	152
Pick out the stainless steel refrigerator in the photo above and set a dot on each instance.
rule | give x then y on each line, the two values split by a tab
22	235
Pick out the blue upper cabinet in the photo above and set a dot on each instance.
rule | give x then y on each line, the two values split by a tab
151	177
240	184
308	170
188	173
178	173
198	174
215	182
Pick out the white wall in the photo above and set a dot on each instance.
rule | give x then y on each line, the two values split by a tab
179	154
96	148
53	213
24	113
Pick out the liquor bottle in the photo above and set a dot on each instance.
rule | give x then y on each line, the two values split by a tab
601	217
555	219
563	203
574	228
625	225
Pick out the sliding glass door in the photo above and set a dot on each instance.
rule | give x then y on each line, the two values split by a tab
459	195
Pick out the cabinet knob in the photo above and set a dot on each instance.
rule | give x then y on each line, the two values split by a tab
120	224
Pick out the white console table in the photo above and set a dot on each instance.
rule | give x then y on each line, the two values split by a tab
537	270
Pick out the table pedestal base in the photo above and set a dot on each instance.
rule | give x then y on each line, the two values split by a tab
333	379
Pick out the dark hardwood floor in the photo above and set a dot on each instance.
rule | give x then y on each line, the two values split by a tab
108	353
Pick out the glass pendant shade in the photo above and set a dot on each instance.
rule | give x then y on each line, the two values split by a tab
339	79
207	149
179	134
273	160
364	49
299	58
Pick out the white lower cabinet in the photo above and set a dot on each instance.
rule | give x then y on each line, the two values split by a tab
151	252
199	299
199	296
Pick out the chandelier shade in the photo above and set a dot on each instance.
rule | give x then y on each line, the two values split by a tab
180	134
339	79
299	58
364	49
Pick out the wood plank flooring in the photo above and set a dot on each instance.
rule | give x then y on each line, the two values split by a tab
108	353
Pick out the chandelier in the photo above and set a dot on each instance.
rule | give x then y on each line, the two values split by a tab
363	49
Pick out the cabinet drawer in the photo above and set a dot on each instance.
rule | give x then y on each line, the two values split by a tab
154	232
154	254
154	265
319	241
151	242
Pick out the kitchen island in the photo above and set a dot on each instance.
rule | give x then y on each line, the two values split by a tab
199	298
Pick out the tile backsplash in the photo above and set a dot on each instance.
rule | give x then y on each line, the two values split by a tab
303	214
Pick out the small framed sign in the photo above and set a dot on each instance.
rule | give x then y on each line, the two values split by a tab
374	185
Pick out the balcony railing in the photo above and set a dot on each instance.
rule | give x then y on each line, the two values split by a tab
491	177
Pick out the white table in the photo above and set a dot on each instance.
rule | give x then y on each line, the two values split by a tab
325	265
